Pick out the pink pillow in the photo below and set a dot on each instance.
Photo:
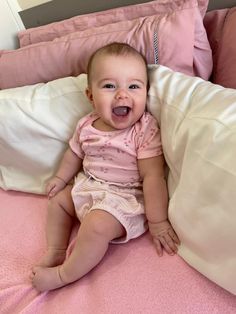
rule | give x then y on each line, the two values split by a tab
83	22
221	27
176	39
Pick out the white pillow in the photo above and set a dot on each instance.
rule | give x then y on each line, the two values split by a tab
36	123
198	128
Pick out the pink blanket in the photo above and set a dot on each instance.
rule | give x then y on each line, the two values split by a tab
130	279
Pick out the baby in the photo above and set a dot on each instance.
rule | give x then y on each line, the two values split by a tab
116	157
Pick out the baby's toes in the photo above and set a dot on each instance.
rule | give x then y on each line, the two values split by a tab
31	276
35	269
33	272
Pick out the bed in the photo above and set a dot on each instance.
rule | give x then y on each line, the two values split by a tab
192	71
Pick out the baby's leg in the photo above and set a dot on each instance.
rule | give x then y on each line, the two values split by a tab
59	223
96	231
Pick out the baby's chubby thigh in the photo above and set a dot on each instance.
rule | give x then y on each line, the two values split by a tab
101	224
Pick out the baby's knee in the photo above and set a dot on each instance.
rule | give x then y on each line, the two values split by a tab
62	200
54	202
102	224
94	226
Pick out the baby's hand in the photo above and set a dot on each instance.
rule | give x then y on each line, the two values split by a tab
164	236
54	186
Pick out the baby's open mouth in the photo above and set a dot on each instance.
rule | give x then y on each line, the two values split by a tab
121	111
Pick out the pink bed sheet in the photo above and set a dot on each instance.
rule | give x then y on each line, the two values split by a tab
130	279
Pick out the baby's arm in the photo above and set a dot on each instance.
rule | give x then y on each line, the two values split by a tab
156	204
69	167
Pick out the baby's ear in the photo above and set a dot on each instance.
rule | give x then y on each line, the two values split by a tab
89	94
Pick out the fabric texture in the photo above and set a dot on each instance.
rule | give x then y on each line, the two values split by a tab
126	204
130	279
36	124
220	26
159	37
197	122
112	156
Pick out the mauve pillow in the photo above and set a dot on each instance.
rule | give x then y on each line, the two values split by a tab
82	22
176	39
221	29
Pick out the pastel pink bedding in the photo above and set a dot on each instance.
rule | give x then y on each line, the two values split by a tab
130	279
159	32
220	26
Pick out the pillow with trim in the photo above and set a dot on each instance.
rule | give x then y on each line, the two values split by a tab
176	39
82	22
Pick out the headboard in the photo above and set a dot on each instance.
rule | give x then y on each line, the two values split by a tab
220	4
56	10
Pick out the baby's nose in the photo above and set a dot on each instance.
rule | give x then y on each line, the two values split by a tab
121	93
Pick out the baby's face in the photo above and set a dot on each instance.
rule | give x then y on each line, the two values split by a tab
118	90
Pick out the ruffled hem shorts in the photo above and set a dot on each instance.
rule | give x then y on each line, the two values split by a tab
126	204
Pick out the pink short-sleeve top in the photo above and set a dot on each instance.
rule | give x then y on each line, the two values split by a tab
112	156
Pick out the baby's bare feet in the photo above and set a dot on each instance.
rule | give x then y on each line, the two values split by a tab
53	257
46	278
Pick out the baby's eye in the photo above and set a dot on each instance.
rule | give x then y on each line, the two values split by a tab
109	85
133	86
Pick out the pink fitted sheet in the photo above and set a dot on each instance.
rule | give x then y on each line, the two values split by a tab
130	279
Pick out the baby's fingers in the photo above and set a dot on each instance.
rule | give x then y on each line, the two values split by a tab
49	188
174	236
52	192
158	246
168	244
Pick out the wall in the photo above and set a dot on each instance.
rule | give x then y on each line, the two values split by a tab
10	24
10	21
220	4
26	4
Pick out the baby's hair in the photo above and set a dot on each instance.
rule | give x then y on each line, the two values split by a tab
116	49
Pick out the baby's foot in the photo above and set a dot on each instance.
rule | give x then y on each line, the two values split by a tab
53	257
46	278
